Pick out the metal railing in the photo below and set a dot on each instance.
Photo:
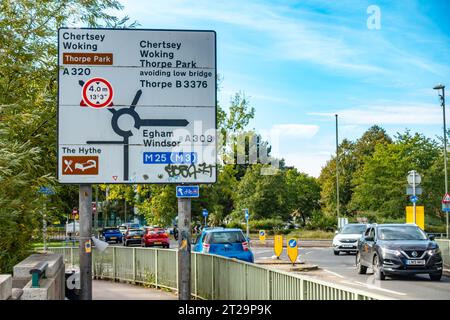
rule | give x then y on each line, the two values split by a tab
213	277
444	245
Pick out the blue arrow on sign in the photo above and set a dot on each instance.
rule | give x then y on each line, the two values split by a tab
205	212
246	214
187	191
413	199
292	243
262	232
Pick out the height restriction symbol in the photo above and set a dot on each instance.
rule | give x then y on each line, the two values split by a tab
97	93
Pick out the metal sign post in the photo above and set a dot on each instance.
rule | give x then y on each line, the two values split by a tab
247	216
414	179
85	205
46	191
205	215
184	249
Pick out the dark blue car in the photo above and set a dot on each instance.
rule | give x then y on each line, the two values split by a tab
112	235
230	243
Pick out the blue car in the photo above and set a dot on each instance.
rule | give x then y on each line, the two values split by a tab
112	234
230	243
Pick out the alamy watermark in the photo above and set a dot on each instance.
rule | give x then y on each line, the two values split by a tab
374	19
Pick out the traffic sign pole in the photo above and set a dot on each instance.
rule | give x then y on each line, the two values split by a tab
184	249
44	222
85	212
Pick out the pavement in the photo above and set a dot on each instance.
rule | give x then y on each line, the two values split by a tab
108	290
342	270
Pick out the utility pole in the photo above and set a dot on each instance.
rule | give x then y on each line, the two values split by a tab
337	168
184	248
442	97
85	246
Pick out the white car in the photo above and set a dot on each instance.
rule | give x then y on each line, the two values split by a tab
347	239
70	229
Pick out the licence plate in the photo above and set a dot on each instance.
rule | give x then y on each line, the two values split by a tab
136	237
113	238
157	242
415	262
347	245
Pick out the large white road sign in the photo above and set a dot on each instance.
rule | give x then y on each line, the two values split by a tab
136	106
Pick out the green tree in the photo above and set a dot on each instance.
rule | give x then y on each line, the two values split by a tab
351	158
303	194
381	182
264	195
28	87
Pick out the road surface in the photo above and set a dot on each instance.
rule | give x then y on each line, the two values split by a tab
341	269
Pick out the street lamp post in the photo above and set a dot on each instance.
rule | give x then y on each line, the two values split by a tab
337	168
441	87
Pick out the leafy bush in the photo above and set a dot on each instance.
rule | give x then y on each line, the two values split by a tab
322	221
235	224
435	229
266	224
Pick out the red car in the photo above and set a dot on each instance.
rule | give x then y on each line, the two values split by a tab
155	237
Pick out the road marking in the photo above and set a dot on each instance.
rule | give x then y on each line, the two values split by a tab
381	289
334	273
307	253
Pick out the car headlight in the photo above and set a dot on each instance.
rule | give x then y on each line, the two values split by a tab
434	251
389	251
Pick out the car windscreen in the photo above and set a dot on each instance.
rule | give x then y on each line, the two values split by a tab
401	233
112	231
353	229
225	237
156	231
135	232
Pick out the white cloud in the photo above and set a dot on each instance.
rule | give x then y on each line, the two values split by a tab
419	114
308	162
295	130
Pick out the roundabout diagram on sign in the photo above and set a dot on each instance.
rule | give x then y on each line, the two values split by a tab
97	93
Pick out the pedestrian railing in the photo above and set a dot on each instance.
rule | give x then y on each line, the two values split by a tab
444	245
213	277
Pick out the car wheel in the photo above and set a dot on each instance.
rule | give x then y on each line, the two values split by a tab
436	276
379	275
336	253
361	269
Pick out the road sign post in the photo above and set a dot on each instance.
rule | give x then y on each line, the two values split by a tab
414	180
85	202
184	249
46	191
247	216
205	215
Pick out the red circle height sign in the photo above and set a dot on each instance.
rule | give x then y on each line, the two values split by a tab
97	93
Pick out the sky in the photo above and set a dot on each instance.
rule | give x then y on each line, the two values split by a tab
301	62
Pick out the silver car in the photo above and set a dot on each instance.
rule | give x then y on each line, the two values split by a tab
347	239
